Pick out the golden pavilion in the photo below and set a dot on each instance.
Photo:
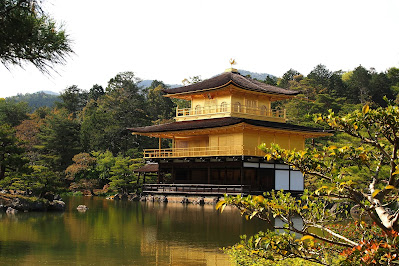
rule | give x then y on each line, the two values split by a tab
214	143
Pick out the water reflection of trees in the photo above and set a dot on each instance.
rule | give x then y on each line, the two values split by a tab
199	225
123	233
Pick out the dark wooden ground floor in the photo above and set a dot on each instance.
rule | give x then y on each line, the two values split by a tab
251	172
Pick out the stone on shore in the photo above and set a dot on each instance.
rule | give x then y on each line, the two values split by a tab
82	208
27	204
199	200
11	210
56	205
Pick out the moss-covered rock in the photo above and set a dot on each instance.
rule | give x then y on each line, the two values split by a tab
24	203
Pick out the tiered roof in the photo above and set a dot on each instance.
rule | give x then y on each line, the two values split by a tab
218	82
221	122
227	78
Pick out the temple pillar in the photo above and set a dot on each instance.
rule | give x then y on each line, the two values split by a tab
209	173
159	145
173	174
242	172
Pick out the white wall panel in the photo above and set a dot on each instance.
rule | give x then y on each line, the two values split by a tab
282	166
253	165
266	165
282	180
296	182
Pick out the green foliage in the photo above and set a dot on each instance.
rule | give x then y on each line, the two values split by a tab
320	76
94	170
72	193
362	173
13	113
191	80
105	161
380	87
358	85
286	242
323	90
104	122
287	77
35	100
90	171
82	168
159	108
265	248
122	177
59	139
73	100
124	80
12	158
300	109
96	92
271	80
180	103
28	34
37	183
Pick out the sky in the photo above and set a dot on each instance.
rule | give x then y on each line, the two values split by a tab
173	40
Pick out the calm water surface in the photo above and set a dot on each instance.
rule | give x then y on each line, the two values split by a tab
122	233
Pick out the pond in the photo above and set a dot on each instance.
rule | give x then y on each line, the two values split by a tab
122	233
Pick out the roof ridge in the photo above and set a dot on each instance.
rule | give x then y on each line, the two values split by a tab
221	122
223	79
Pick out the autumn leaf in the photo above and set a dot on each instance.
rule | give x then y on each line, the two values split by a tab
221	204
306	237
259	198
365	109
375	193
396	171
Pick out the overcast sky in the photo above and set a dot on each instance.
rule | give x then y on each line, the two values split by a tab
172	40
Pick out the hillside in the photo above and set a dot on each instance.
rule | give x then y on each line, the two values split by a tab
255	75
37	99
147	83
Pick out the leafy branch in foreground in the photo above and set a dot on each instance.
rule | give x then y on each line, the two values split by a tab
28	34
328	234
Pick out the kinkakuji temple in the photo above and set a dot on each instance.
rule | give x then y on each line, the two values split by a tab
215	142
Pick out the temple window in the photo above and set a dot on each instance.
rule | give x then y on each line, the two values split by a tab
237	107
263	110
223	107
197	109
250	106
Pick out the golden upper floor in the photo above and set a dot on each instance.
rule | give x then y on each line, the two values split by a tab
230	115
229	136
230	95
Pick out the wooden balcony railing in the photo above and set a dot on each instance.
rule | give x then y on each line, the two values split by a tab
202	152
203	189
231	110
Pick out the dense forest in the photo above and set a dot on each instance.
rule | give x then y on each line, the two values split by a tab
36	100
82	142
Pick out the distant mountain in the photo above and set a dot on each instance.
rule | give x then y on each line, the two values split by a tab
37	99
259	76
254	75
147	83
50	92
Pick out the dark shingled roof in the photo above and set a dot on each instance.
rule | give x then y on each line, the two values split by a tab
220	122
148	168
235	78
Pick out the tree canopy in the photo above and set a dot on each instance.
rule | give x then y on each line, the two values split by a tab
94	120
327	235
28	34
